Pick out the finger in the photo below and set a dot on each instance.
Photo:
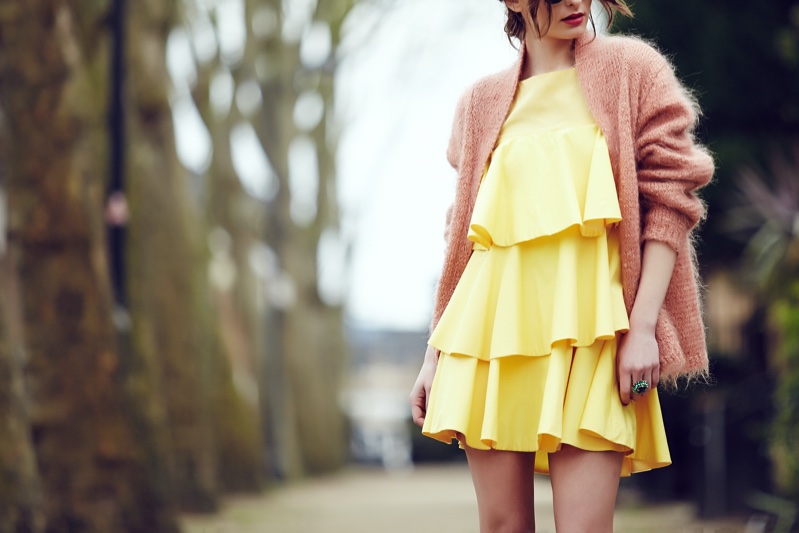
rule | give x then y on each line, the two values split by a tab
418	407
624	387
642	377
426	396
639	395
418	414
655	377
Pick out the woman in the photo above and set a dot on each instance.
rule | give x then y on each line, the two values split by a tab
569	288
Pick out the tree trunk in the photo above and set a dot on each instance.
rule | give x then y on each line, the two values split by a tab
21	504
306	349
89	433
169	305
295	341
234	216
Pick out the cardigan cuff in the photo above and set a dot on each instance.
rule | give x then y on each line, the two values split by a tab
666	225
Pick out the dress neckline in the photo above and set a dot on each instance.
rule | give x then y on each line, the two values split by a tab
551	73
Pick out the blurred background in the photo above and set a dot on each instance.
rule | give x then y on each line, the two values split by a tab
221	224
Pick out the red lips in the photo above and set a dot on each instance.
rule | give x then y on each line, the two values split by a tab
574	19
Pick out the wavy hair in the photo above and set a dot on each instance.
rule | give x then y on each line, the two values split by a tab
515	26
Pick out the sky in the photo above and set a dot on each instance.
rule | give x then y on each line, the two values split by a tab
403	69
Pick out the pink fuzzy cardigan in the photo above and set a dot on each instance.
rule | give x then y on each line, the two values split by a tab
647	118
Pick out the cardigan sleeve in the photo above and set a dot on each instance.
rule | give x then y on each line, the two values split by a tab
455	146
671	165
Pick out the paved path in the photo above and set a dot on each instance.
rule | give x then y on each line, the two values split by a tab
427	499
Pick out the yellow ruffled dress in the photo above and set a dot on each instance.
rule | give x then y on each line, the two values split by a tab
528	340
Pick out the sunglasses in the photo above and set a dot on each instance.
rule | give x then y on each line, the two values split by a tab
554	2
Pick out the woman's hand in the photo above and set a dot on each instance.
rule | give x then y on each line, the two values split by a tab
421	389
637	358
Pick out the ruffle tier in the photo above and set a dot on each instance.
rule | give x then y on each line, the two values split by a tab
520	300
544	187
537	404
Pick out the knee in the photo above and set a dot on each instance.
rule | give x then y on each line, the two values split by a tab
508	523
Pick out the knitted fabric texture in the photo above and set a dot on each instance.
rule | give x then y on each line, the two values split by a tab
647	118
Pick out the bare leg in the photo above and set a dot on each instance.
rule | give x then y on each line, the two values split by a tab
584	488
503	482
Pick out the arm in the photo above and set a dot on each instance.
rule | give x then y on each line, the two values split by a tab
638	355
672	166
420	392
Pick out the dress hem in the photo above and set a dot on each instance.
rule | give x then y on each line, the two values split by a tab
631	465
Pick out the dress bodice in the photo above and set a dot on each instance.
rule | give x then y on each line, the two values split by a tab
550	169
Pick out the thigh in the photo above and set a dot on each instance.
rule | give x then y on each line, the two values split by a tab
503	483
584	488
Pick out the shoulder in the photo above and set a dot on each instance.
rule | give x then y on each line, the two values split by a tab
489	87
481	104
659	86
631	53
